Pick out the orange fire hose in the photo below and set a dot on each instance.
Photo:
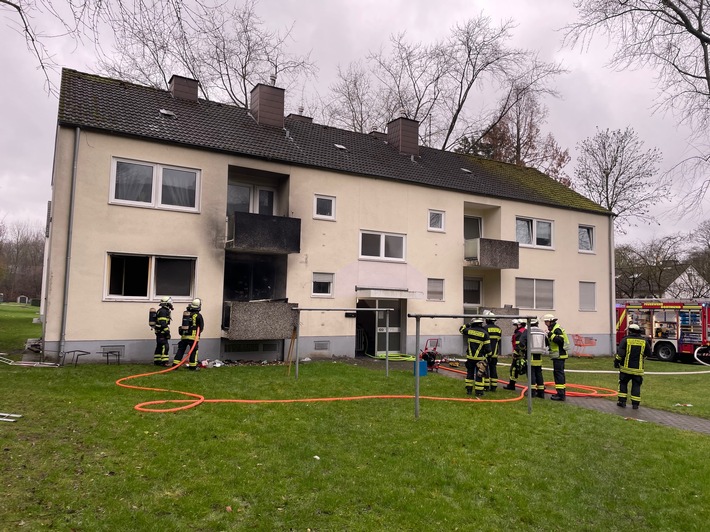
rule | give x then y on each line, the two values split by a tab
198	399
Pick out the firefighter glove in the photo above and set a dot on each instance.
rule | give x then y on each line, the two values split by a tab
617	364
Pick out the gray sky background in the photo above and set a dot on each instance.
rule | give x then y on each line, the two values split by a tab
338	32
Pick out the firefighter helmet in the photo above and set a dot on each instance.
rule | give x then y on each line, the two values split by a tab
634	327
515	321
166	301
549	317
195	304
534	322
476	321
488	314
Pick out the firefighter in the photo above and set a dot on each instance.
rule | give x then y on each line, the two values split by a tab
494	335
559	345
478	346
191	321
517	366
536	337
629	361
161	328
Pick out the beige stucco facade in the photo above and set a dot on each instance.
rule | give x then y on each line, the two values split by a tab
88	317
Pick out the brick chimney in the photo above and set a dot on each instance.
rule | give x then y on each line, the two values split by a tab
403	134
183	88
267	105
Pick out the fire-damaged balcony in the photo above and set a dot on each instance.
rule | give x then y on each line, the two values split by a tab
259	233
490	253
259	320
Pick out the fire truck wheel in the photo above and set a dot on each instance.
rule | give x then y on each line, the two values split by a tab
665	352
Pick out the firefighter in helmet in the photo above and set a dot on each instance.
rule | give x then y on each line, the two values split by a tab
192	325
517	365
161	328
559	346
478	346
537	382
494	335
629	361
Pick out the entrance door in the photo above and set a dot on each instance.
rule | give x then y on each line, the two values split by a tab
395	326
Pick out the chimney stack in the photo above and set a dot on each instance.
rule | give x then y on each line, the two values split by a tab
403	134
183	88
267	105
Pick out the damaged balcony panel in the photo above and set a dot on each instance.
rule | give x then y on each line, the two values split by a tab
261	320
491	253
259	233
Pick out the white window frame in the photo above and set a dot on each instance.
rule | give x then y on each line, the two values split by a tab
441	228
322	277
156	186
468	305
152	292
536	293
587	290
590	233
317	216
383	240
435	289
533	222
254	197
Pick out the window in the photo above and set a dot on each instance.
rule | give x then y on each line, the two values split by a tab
471	291
382	245
145	276
531	232
323	284
471	227
435	289
436	221
587	296
586	238
324	207
534	293
243	197
155	185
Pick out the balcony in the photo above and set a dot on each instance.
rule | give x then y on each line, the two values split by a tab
259	233
490	253
259	320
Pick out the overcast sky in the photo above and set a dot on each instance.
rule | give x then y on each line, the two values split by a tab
338	32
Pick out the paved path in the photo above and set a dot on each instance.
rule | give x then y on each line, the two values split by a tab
669	419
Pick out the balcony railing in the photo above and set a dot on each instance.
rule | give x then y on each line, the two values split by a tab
491	253
259	320
259	233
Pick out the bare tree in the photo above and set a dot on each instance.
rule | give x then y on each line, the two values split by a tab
21	259
229	50
354	103
517	139
629	278
672	37
435	83
614	170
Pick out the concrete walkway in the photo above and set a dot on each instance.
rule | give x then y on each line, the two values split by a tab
661	417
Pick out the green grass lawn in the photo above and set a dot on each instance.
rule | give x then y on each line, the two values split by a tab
82	458
16	326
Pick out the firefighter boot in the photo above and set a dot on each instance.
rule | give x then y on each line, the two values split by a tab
494	388
558	397
479	393
510	385
541	394
635	405
469	390
621	403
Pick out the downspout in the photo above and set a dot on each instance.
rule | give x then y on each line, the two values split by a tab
612	287
70	226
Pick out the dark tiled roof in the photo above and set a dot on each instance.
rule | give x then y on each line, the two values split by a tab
114	106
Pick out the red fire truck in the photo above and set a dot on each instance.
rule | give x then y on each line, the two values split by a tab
677	328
